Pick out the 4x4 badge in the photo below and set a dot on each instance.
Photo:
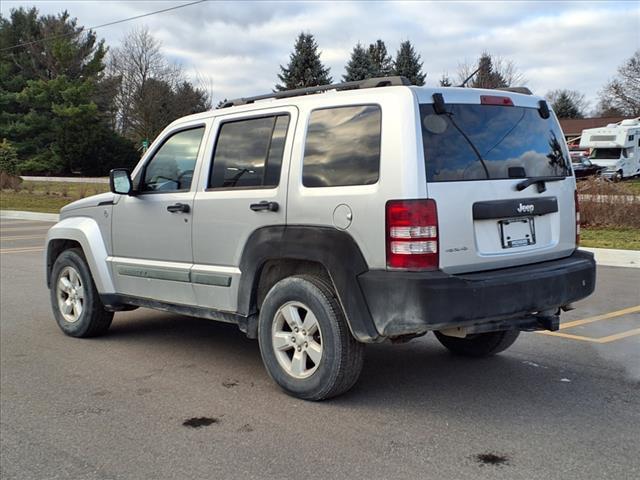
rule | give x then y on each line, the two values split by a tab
525	208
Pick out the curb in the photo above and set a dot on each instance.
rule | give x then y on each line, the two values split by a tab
19	215
615	258
604	256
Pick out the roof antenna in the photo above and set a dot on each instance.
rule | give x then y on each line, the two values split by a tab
469	77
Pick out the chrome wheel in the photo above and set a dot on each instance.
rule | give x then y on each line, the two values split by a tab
70	294
297	340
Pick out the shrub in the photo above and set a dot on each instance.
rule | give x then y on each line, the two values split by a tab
8	180
608	204
8	158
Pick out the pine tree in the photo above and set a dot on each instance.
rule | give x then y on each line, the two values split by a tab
487	76
359	66
408	64
305	68
381	62
445	81
565	107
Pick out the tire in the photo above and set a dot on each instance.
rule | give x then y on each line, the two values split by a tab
480	344
74	299
296	303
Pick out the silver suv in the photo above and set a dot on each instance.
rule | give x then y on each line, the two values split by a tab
322	219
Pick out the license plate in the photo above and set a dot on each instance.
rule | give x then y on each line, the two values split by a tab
517	232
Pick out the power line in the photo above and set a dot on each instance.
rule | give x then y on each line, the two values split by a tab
62	35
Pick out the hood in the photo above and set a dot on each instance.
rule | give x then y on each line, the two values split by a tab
86	202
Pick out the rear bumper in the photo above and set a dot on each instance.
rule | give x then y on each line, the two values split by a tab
406	303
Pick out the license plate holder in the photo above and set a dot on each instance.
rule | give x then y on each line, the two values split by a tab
517	232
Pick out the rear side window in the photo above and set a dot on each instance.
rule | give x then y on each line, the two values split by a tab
481	142
249	153
342	147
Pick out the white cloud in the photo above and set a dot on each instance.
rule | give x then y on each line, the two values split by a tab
239	45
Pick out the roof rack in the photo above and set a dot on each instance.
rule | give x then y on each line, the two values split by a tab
523	90
355	85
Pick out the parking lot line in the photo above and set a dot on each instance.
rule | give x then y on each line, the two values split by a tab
607	339
21	250
604	316
20	237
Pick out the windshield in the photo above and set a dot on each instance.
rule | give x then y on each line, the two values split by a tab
480	142
605	154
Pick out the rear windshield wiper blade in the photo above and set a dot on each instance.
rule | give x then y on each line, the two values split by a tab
539	181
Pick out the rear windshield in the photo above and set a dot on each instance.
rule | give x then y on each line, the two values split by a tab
605	154
481	142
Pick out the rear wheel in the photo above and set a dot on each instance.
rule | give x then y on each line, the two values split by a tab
305	341
479	344
74	299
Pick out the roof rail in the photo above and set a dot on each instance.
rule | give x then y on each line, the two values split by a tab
355	85
523	90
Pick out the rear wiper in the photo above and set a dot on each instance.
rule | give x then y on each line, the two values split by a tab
539	181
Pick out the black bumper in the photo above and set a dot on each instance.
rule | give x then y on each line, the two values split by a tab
405	303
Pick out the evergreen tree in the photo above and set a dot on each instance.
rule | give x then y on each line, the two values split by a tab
305	68
408	64
381	62
359	66
50	92
487	76
445	81
565	107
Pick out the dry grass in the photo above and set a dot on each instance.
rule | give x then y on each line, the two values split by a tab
608	204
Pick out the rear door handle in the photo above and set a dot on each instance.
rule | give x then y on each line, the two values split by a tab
179	207
265	206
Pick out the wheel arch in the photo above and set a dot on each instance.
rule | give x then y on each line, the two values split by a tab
273	253
83	233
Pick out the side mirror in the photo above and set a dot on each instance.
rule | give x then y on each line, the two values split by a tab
120	181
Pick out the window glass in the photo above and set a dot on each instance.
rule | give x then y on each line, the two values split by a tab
342	147
171	168
249	152
480	142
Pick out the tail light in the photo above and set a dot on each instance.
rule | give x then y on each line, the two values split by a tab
412	234
577	203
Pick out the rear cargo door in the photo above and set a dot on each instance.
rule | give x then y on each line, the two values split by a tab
500	174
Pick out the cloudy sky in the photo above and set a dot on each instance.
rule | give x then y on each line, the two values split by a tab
239	45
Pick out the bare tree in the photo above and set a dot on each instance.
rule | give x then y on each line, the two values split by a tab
494	71
621	96
134	64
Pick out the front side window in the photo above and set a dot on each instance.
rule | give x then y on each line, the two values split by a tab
342	147
171	168
249	153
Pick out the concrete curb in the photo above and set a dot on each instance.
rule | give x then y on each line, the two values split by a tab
615	258
19	215
604	256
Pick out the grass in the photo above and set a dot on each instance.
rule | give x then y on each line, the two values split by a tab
610	237
48	197
633	185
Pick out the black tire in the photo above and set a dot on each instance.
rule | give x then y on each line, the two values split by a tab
479	344
342	356
94	320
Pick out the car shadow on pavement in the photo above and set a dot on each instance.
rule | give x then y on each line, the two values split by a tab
420	374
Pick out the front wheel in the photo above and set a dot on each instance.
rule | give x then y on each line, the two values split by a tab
479	344
74	299
305	342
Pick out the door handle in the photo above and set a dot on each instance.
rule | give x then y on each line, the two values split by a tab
179	207
265	206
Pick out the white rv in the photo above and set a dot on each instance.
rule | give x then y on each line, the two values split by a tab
616	147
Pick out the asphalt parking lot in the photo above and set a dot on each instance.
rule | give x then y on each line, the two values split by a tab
562	405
